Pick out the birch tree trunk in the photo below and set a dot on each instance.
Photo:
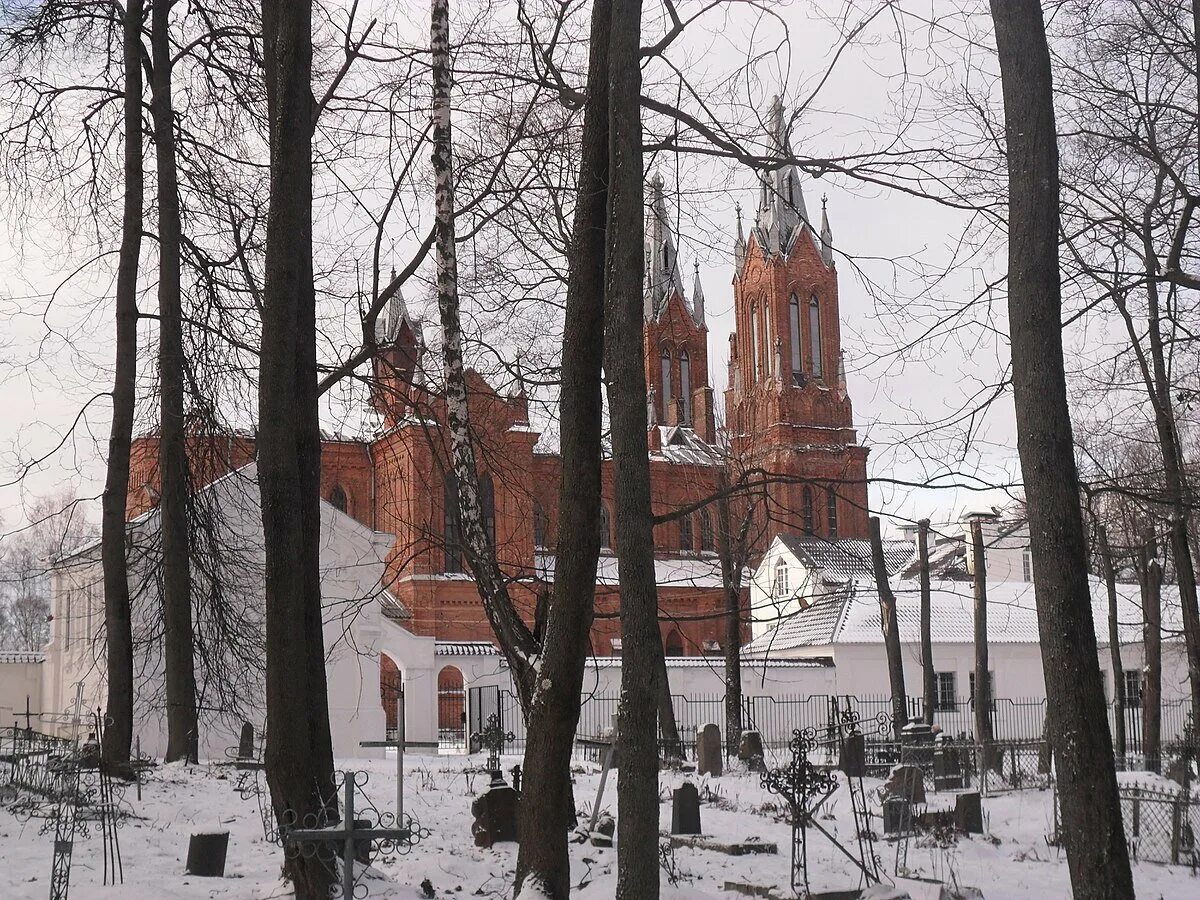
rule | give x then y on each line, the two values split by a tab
637	782
982	698
118	628
299	750
928	676
178	652
1114	640
543	862
891	631
1097	855
516	639
732	551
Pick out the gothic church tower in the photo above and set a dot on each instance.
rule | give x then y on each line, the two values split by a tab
786	404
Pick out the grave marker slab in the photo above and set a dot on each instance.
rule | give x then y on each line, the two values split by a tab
708	750
496	811
968	813
685	810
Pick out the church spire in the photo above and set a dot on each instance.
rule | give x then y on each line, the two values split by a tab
826	235
781	209
662	263
697	296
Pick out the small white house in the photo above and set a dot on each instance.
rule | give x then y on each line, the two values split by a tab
228	590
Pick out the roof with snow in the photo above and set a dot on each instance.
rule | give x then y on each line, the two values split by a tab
681	445
853	616
22	656
702	571
842	560
465	648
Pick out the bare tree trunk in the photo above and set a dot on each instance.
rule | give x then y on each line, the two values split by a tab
1114	640
731	549
299	755
542	860
928	676
637	783
891	631
515	637
118	627
1151	576
668	728
179	665
982	698
1092	829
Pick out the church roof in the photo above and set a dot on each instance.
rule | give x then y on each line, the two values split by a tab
682	446
841	560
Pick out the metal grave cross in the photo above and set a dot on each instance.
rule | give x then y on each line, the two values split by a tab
493	738
350	834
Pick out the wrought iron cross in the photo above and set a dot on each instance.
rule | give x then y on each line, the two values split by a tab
493	738
350	833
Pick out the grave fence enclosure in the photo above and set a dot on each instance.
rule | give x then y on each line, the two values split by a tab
1018	724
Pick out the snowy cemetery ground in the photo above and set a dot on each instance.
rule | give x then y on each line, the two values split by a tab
1011	860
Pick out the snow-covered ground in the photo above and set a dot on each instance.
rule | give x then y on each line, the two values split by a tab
1011	861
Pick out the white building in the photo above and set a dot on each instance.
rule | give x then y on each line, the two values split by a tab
228	579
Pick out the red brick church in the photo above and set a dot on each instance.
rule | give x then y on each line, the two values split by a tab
787	412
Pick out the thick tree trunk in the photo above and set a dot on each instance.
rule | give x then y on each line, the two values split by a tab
299	754
178	653
515	637
543	862
1151	577
891	631
982	697
118	628
1092	829
731	549
1114	641
928	676
668	728
637	783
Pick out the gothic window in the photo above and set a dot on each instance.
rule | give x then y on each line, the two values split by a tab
541	525
780	587
337	498
666	256
753	341
814	334
706	532
685	534
791	189
451	531
666	385
605	529
768	347
685	385
831	515
794	336
807	510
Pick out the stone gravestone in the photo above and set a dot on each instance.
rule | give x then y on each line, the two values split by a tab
853	762
708	750
905	782
206	854
246	742
897	815
750	750
916	744
685	810
496	811
968	814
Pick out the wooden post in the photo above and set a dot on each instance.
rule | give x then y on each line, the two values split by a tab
928	680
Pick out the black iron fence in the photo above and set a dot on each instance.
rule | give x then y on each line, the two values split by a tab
1017	722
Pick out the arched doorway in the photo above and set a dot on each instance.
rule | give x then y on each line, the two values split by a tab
452	727
674	644
390	681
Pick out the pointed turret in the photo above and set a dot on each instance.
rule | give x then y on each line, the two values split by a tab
781	209
826	235
739	245
697	297
662	263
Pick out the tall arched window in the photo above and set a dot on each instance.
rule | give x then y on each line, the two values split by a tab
451	532
753	341
666	385
673	646
605	529
780	588
831	512
337	498
706	532
685	385
685	534
807	511
487	506
541	525
814	334
794	338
